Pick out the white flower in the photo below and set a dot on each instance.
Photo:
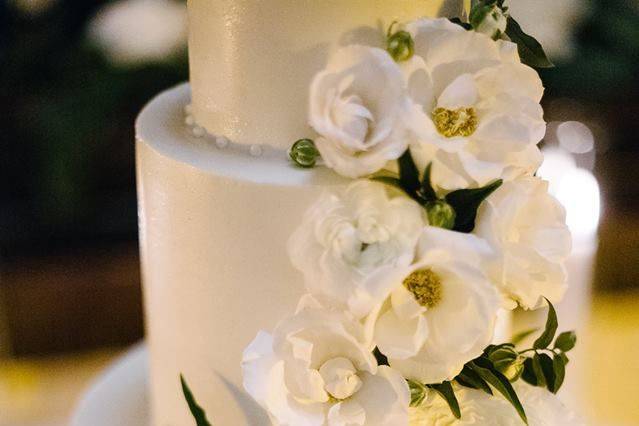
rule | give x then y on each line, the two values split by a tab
526	227
347	236
357	105
476	115
132	32
318	369
479	408
442	311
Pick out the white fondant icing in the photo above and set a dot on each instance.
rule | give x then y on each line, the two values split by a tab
252	60
213	230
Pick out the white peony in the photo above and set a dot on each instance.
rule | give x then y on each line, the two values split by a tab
526	227
442	310
478	408
134	32
476	113
357	105
348	235
318	369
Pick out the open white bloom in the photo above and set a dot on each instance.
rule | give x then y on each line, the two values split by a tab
318	370
476	116
442	310
526	227
478	408
348	235
133	32
357	105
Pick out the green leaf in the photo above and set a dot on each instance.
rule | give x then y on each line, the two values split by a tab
466	202
538	370
198	413
547	370
551	328
388	180
529	375
470	379
478	14
445	390
427	191
530	50
487	371
566	341
417	393
380	357
408	174
559	367
520	337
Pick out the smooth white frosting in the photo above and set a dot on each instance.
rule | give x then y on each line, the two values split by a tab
213	229
252	61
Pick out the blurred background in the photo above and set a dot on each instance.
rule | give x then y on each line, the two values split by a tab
73	76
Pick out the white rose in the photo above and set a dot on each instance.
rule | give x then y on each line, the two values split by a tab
348	235
357	105
476	113
479	408
442	311
318	370
526	228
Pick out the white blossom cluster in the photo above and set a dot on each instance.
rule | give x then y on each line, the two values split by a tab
379	277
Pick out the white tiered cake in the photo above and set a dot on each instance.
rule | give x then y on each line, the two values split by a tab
368	291
214	219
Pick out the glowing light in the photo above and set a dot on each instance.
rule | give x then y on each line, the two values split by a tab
579	192
577	189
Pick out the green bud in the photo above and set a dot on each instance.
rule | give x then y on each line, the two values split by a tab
417	393
401	46
489	19
508	361
304	153
441	214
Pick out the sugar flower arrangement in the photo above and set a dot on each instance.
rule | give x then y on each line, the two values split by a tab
443	226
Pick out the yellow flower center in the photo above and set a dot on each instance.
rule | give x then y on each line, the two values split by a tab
454	123
426	286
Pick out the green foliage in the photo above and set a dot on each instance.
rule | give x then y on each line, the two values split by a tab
445	390
198	413
456	211
551	328
487	371
530	50
466	202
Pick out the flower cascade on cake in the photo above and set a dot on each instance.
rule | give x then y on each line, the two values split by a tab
443	225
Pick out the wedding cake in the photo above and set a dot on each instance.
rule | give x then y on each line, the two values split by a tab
336	212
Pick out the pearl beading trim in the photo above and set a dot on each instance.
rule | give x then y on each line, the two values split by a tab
220	141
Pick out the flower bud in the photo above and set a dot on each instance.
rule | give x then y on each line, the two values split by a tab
417	393
490	20
304	153
441	214
401	46
508	361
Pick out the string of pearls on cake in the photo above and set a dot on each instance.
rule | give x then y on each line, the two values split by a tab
220	141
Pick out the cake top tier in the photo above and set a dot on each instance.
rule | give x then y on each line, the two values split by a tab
252	61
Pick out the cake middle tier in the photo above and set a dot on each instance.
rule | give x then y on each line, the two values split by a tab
252	61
